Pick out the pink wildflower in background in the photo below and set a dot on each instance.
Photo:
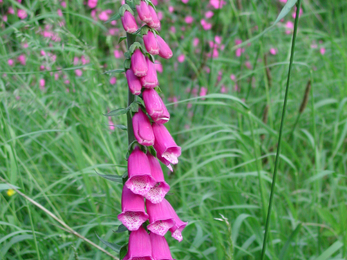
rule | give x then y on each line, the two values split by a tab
185	1
171	9
203	92
294	13
92	3
22	14
78	72
181	58
189	19
103	16
209	14
22	59
63	4
10	10
217	4
113	80
322	50
207	26
10	62
239	51
232	77
195	42
290	27
273	51
59	12
42	84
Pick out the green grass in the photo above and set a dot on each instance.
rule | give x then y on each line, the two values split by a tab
52	142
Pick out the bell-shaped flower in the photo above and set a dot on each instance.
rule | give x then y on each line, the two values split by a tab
139	180
155	23
143	12
160	219
140	247
134	82
133	210
155	106
129	23
143	129
151	79
157	193
151	43
164	49
176	230
167	150
139	64
160	248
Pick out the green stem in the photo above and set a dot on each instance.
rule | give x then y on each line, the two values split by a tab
280	132
131	137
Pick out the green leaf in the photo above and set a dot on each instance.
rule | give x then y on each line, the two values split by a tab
330	251
121	127
123	251
287	244
7	187
122	38
117	112
134	107
113	246
285	10
121	229
114	71
114	178
114	17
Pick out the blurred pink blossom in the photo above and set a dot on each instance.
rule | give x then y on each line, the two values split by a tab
22	14
173	29
171	9
203	92
209	14
217	4
4	18
294	13
78	72
290	27
10	62
223	89
75	60
322	50
59	12
10	10
63	4
158	66
181	58
113	80
25	45
195	42
117	54
189	19
273	51
92	3
110	123
185	1
232	77
42	84
103	16
248	65
22	59
205	25
84	60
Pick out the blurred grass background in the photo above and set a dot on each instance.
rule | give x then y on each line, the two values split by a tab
54	138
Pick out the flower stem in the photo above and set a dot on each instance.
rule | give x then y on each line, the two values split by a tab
280	132
131	137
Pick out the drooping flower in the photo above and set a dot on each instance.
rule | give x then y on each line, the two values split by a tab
140	247
143	12
134	82
155	106
142	129
164	49
176	230
133	210
139	64
155	23
151	43
157	193
160	248
139	172
167	150
160	218
129	23
150	80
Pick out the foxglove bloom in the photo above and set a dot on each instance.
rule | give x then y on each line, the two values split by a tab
142	129
160	218
167	150
151	79
139	64
164	49
155	106
160	248
129	23
143	12
139	172
151	43
134	82
158	192
176	230
133	210
140	247
155	23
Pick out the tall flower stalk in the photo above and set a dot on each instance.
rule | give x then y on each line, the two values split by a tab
146	214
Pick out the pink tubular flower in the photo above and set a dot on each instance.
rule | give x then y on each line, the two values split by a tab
151	79
139	172
164	49
143	12
176	230
167	150
160	248
142	129
139	64
151	43
134	82
133	210
160	219
158	192
22	14
139	245
155	106
155	23
92	3
129	23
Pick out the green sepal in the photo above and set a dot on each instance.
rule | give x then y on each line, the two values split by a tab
122	38
149	2
123	251
158	89
121	228
152	151
124	8
134	46
134	107
127	63
113	246
114	17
